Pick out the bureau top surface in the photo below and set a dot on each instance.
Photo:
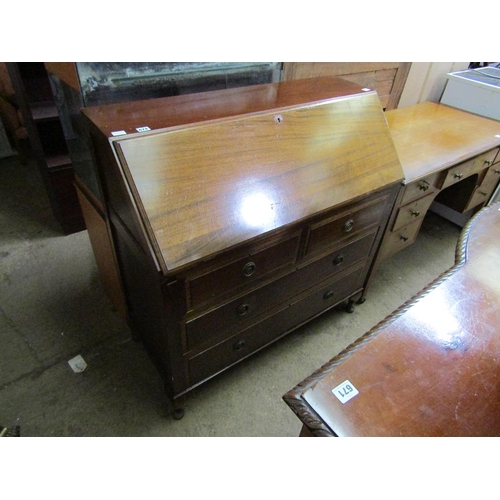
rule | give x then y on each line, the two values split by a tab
212	179
432	368
430	137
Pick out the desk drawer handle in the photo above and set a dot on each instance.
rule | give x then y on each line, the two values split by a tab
242	309
338	260
238	346
348	225
484	193
424	186
415	213
404	238
248	269
458	176
497	171
328	295
488	162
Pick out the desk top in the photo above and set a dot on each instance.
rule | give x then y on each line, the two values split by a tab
432	368
430	137
220	168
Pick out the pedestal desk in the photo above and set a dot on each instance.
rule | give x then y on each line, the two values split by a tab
448	156
238	215
432	368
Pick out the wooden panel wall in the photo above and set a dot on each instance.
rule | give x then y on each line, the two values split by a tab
387	78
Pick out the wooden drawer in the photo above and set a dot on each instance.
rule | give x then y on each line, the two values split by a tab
243	344
332	230
400	238
421	187
249	308
463	170
491	178
413	211
243	271
481	195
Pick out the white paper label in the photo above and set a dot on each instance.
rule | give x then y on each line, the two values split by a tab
77	364
142	129
119	132
345	391
366	89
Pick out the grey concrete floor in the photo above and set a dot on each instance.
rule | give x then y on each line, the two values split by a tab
52	308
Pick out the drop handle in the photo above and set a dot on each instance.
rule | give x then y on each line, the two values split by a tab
497	171
338	260
404	238
415	213
423	186
348	225
484	193
242	309
458	176
248	269
238	346
488	162
328	295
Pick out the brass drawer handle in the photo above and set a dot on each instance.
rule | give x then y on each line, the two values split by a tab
242	309
424	186
348	225
415	213
404	238
338	260
238	346
248	269
328	295
458	176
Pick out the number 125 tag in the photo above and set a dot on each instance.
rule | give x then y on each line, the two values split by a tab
345	391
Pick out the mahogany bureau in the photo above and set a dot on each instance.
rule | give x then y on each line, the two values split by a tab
238	215
432	368
449	156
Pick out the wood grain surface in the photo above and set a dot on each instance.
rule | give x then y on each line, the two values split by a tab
207	187
432	368
430	137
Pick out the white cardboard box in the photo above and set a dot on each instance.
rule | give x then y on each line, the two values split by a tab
474	90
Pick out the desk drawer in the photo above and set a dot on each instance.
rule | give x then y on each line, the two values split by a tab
248	308
243	271
421	187
400	238
413	211
475	165
243	344
332	230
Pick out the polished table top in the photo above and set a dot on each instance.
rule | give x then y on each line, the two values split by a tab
432	368
430	137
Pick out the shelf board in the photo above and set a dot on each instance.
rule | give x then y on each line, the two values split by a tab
42	111
58	161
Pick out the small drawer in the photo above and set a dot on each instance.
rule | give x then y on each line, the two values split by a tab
459	172
400	238
413	211
330	231
419	188
481	195
248	308
243	271
238	347
491	178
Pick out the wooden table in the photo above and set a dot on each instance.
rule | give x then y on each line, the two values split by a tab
432	368
448	156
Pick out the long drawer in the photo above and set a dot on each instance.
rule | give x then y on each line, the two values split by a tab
241	345
236	313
